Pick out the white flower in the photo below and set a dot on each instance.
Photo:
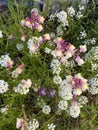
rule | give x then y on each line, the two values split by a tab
74	111
46	109
3	86
57	79
79	14
1	35
23	88
71	11
33	44
47	50
93	41
81	7
63	105
62	17
83	100
19	47
33	125
59	31
4	109
5	61
65	93
93	90
51	126
82	34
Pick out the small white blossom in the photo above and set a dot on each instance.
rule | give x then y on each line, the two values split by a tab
74	111
93	90
46	109
79	14
5	61
33	125
47	50
19	47
82	35
1	35
62	17
4	109
59	31
71	11
23	88
63	105
3	86
57	79
83	100
51	126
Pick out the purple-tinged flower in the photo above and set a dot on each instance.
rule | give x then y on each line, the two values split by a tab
52	93
40	19
42	91
79	60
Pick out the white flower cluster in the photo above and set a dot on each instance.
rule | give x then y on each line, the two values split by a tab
92	56
80	12
1	35
59	30
47	50
40	102
57	79
62	17
5	61
56	66
65	90
90	41
94	66
33	124
46	109
71	11
75	110
33	44
62	105
3	86
82	34
23	88
83	100
51	126
94	85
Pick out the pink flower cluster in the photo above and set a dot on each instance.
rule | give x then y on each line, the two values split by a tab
65	50
21	123
79	84
35	21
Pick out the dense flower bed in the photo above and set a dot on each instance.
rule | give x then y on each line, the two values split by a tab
49	67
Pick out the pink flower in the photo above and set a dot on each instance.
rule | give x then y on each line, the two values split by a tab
74	103
23	38
46	37
38	26
19	123
83	48
10	63
40	19
57	53
28	24
79	60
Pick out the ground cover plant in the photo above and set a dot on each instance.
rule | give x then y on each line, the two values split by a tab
49	67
